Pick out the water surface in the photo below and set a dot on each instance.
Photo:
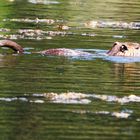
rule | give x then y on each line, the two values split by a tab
68	98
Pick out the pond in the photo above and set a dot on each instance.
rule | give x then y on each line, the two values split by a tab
52	97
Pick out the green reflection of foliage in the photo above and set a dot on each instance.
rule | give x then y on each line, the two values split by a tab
4	9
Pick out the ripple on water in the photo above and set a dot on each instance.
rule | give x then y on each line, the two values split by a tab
79	98
74	98
43	2
113	24
121	114
70	96
36	20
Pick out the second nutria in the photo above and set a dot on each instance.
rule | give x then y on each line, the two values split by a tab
58	52
11	44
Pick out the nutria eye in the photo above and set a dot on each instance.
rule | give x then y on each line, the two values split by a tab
123	48
137	48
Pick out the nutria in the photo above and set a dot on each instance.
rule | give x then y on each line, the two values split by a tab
58	52
118	49
11	44
124	49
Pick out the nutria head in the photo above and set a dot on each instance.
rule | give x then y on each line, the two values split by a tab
124	49
11	44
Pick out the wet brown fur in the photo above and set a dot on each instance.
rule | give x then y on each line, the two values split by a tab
11	44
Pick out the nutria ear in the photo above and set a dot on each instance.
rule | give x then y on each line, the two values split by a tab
115	49
123	48
116	43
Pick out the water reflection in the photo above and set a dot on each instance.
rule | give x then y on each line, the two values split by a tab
127	74
8	60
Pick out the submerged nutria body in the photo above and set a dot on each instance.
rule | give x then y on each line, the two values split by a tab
57	52
64	52
118	49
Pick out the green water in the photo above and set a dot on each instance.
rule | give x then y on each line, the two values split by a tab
29	74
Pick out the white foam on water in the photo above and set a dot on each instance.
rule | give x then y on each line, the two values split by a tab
67	98
43	2
37	101
8	99
125	99
80	98
71	101
138	119
72	97
121	115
